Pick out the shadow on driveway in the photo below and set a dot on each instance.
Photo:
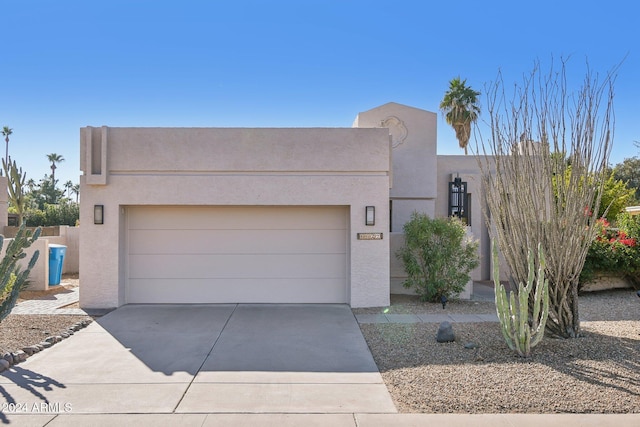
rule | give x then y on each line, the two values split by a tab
245	337
227	358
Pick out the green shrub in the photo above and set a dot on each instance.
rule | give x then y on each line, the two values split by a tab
437	256
62	214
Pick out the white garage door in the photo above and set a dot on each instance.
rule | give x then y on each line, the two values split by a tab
237	254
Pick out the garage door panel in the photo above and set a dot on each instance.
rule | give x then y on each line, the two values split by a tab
236	241
237	254
237	217
231	266
222	291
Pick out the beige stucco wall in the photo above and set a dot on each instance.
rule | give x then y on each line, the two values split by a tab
469	171
466	167
420	182
448	167
69	237
413	139
205	166
416	186
39	275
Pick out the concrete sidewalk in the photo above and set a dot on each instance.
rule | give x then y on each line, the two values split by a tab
426	318
322	420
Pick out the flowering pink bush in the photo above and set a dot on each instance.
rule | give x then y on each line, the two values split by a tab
614	250
612	235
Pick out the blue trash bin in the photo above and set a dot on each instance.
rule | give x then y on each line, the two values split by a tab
56	259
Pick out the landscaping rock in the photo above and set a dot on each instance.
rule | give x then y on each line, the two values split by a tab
31	349
45	344
4	365
19	356
471	345
50	340
445	333
8	357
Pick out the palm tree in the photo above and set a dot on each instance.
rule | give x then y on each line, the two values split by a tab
6	131
461	109
54	158
76	190
68	186
31	184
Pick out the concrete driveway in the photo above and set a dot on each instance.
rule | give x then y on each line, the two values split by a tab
247	358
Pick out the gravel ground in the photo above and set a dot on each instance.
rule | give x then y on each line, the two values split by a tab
18	331
597	373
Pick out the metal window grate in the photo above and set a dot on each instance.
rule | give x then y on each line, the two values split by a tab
458	200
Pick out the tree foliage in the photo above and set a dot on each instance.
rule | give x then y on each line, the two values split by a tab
66	213
542	117
437	256
629	172
461	109
54	158
6	132
616	195
41	204
45	193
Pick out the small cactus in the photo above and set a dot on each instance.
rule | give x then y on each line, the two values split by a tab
521	329
13	279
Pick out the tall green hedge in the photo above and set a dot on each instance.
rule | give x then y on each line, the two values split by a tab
62	214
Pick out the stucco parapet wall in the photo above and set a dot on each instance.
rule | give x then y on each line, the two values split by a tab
413	137
242	190
225	150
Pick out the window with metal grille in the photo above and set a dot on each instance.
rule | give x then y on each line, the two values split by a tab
459	200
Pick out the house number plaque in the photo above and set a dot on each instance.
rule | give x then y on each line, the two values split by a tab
369	236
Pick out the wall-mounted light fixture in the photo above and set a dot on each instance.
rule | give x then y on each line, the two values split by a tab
370	215
98	214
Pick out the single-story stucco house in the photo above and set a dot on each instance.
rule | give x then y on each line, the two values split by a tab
263	215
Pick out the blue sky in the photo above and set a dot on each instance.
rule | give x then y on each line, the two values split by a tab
272	63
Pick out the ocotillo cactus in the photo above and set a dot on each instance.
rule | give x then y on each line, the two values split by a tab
523	330
13	279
